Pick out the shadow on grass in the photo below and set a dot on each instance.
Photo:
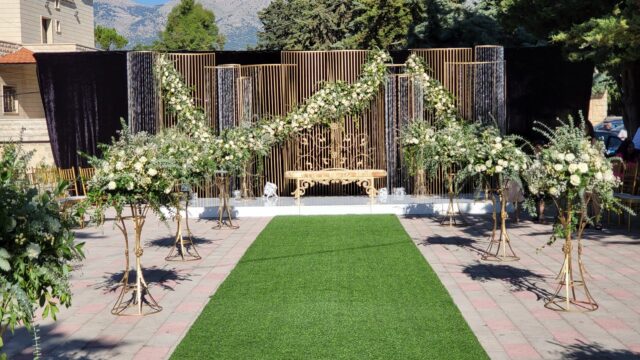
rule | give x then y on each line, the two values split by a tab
55	344
596	351
162	277
518	279
462	242
322	252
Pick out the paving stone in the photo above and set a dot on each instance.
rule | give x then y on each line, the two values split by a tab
504	302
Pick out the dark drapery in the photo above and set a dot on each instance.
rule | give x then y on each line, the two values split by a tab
84	96
542	86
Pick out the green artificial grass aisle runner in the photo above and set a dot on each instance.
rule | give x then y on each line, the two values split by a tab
332	287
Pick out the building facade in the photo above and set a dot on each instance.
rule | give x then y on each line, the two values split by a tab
28	27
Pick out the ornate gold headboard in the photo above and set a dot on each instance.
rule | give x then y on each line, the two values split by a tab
333	149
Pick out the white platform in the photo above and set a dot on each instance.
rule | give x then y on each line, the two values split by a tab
338	205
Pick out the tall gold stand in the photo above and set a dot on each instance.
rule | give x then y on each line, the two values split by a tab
183	249
572	293
452	211
420	184
246	190
134	298
222	183
499	242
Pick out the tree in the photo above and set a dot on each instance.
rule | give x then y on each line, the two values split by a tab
604	31
330	24
461	23
304	24
107	38
382	23
190	27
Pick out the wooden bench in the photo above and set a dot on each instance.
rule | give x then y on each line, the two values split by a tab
333	157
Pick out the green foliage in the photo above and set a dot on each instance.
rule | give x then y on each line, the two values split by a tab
329	24
36	246
356	282
133	171
447	23
609	38
383	24
190	27
107	38
573	171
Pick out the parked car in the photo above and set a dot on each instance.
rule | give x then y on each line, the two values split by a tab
611	123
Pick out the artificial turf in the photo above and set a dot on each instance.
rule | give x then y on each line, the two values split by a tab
331	287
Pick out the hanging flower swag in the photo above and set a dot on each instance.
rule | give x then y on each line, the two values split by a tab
232	149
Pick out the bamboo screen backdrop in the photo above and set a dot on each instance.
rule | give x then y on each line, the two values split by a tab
269	90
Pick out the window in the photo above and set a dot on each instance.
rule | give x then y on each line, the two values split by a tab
46	31
57	4
58	27
9	99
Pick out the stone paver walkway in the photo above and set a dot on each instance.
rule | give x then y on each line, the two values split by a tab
504	302
87	330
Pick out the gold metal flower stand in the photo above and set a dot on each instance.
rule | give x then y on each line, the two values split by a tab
499	248
572	293
222	183
183	249
420	184
453	211
134	298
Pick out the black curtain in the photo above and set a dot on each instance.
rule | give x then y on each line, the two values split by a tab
543	85
84	96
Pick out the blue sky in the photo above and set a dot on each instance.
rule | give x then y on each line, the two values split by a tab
151	2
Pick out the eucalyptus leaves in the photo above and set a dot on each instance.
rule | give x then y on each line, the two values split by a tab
36	246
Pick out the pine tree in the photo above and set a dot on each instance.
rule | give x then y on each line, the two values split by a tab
190	27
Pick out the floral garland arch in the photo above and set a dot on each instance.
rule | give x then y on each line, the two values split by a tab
233	148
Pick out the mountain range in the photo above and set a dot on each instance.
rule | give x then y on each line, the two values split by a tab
140	24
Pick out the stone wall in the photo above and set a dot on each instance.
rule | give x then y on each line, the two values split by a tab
598	108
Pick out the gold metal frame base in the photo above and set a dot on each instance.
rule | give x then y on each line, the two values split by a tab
183	249
134	298
499	248
449	219
222	182
136	305
572	293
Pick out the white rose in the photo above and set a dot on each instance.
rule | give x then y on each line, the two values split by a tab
33	251
553	191
570	157
573	168
137	166
583	167
130	185
143	159
119	165
608	175
499	168
152	172
599	175
111	185
574	180
558	167
167	190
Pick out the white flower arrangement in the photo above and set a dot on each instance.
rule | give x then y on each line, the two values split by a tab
132	170
574	172
497	155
